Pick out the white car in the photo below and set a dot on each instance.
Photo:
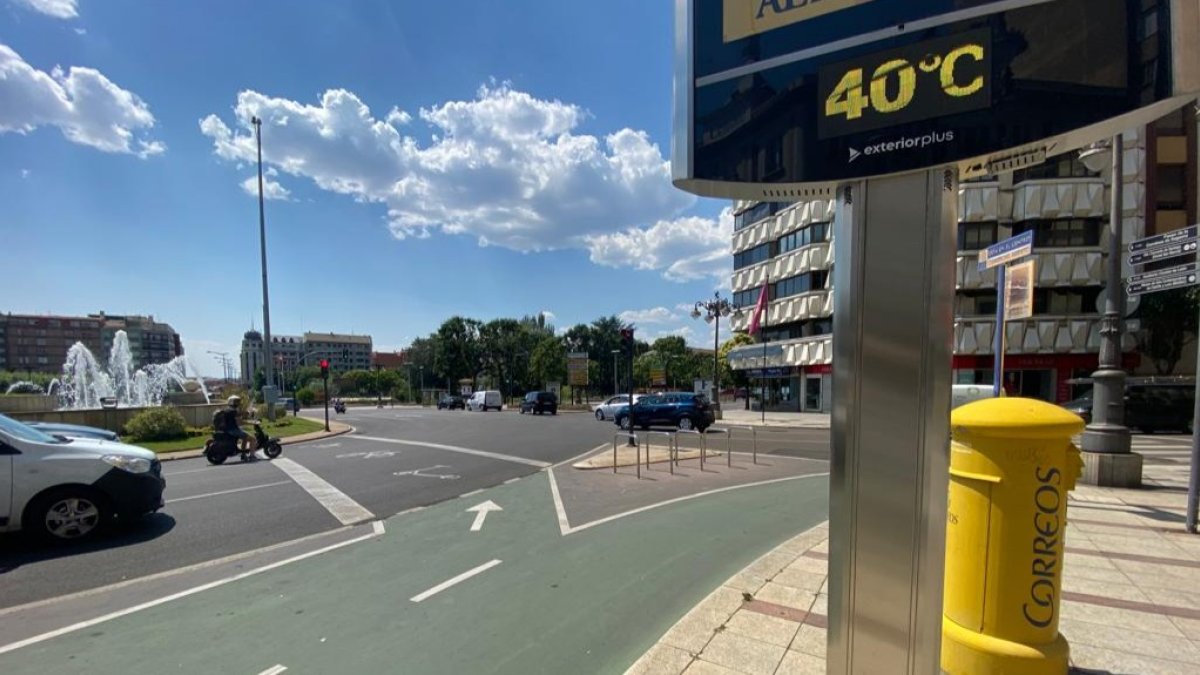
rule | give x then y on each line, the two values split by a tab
483	401
608	409
67	489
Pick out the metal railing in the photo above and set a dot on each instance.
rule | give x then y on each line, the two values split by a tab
753	436
672	448
628	435
703	443
728	443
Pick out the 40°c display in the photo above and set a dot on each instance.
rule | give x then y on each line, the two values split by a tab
935	78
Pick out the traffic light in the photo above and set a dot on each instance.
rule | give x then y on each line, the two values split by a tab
627	340
324	367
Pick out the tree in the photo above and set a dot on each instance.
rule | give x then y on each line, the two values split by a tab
357	382
386	382
1167	320
728	375
548	362
456	350
501	343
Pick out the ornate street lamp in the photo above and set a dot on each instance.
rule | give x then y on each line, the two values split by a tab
713	310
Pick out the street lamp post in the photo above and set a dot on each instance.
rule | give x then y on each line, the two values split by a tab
712	311
616	370
1107	432
262	240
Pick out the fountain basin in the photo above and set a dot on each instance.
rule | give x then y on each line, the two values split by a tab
113	419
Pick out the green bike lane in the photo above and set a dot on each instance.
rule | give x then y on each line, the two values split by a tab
589	602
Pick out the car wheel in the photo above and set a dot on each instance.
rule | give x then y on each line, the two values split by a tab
68	514
554	411
600	415
623	423
685	424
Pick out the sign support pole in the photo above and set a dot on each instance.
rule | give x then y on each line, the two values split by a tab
889	470
999	338
1193	503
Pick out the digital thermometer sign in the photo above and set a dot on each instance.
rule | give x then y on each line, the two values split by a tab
775	98
922	81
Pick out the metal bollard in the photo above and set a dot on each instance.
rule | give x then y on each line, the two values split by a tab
1011	466
703	443
626	435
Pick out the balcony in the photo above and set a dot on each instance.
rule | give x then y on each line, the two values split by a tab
1039	335
812	305
1055	269
811	351
811	257
770	229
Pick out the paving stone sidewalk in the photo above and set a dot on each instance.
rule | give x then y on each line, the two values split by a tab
1131	591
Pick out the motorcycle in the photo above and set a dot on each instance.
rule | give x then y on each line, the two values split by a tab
223	446
339	407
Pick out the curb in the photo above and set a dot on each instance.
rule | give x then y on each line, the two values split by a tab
291	440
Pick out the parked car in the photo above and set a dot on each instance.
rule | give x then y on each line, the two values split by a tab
606	410
1151	405
483	401
540	402
451	402
67	489
74	431
684	410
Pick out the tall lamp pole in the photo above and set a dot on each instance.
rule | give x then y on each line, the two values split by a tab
262	240
616	370
712	311
1107	432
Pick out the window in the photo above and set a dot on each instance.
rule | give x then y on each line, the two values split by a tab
757	213
976	236
801	283
1074	232
1172	195
752	257
746	298
1063	167
811	234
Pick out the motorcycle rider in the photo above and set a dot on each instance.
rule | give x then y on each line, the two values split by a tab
228	425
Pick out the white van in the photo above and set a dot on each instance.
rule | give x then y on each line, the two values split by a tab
483	401
967	393
67	489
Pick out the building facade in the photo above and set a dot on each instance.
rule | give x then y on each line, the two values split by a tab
150	341
789	249
345	352
40	343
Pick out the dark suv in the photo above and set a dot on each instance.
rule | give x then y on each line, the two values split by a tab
450	402
1151	405
540	402
684	410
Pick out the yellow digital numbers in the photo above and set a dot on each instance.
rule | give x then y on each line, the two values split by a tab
850	98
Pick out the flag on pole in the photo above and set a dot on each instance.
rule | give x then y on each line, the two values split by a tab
759	308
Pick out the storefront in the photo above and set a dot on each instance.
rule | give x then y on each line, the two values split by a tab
1043	376
793	389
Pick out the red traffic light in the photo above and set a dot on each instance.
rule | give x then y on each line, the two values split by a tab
325	363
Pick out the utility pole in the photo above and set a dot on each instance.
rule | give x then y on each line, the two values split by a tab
616	370
268	394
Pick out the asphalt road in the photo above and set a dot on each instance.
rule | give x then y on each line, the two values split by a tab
397	459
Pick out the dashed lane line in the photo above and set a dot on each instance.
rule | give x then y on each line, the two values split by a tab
454	448
425	595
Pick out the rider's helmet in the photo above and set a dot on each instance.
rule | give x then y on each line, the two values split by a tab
234	401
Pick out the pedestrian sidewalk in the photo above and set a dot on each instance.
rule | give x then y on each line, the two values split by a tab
1131	592
742	417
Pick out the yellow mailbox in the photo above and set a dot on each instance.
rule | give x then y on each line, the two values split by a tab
1011	466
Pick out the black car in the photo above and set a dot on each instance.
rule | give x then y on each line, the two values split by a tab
450	402
1150	405
683	410
540	402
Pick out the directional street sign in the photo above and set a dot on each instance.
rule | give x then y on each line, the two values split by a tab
1179	276
1006	251
1187	234
1164	253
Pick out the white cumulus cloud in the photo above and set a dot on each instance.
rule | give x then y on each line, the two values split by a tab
504	167
86	106
59	9
643	316
272	189
686	249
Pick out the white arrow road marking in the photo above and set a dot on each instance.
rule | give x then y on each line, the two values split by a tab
456	580
337	502
481	512
374	454
274	670
422	474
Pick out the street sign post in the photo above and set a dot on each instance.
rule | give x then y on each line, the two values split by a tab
998	255
1019	283
1176	244
880	105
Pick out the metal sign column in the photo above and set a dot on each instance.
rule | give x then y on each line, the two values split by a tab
893	331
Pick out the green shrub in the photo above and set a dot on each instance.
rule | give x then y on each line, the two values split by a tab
306	396
157	424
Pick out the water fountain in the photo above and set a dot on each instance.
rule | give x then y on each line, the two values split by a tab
25	387
85	381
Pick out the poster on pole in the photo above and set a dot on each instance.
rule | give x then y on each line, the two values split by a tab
1018	290
577	369
658	376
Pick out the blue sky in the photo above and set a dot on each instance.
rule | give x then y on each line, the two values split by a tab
426	159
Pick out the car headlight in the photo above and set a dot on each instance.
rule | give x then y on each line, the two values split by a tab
127	463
